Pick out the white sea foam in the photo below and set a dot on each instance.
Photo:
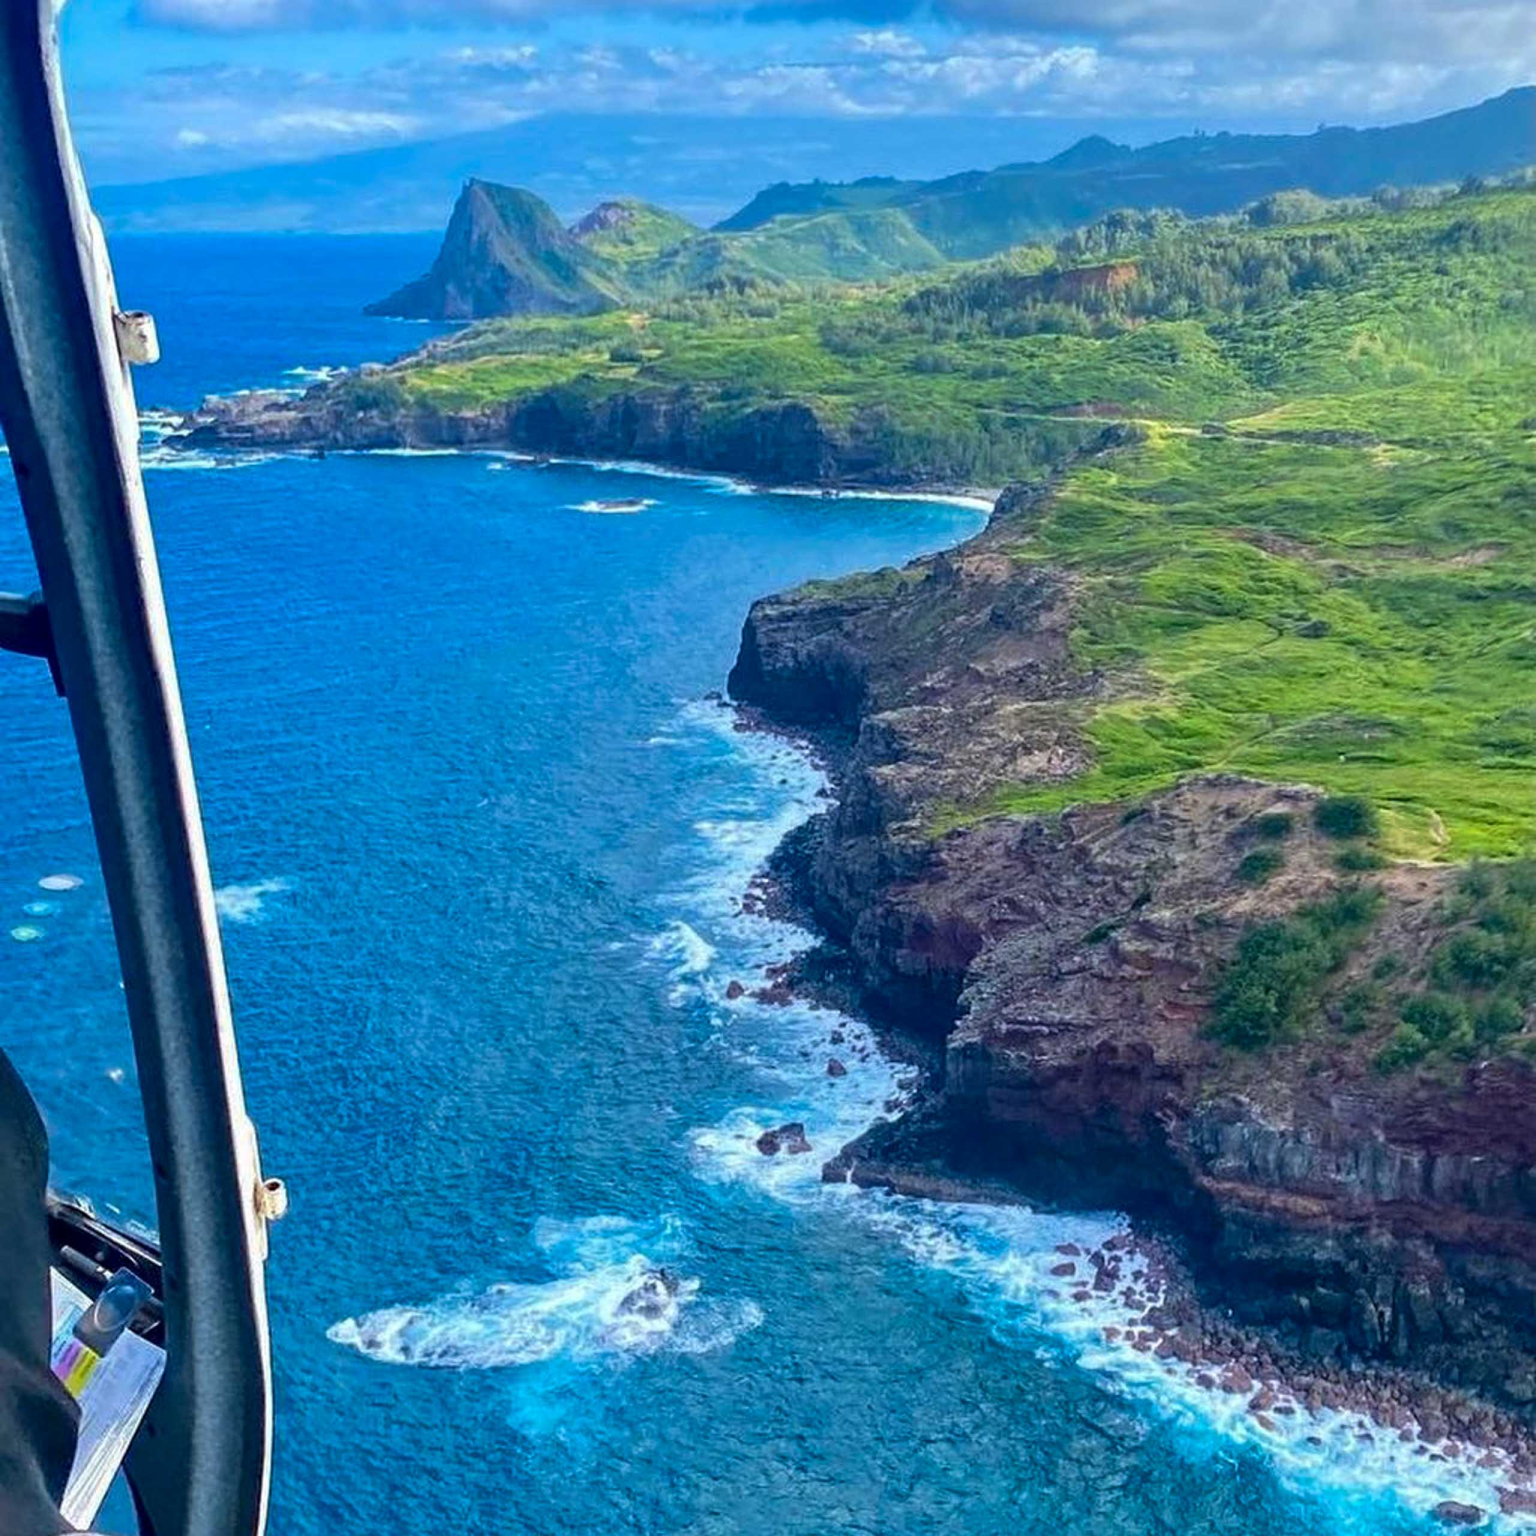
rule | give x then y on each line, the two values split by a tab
60	883
304	377
157	455
972	501
247	903
637	504
609	1299
1008	1258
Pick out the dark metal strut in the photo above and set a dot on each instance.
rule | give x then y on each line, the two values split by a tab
200	1464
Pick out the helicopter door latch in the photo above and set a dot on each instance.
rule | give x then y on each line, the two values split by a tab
137	341
26	630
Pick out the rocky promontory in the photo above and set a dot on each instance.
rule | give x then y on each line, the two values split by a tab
1066	964
781	443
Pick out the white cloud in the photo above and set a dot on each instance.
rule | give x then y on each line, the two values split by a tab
888	43
1128	68
334	123
1441	31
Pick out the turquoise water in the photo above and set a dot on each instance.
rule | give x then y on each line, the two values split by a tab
480	834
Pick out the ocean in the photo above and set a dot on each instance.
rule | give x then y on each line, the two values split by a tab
480	826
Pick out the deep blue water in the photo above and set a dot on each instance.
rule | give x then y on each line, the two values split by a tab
480	836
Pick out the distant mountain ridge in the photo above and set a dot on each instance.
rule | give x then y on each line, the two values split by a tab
506	252
977	213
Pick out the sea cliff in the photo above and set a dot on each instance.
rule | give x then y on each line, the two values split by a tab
1066	966
782	443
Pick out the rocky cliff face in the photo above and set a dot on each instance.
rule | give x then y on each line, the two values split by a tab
782	443
1067	963
504	253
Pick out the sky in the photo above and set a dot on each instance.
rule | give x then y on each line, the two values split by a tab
163	88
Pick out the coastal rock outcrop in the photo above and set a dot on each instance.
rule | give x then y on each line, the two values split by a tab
1067	965
786	442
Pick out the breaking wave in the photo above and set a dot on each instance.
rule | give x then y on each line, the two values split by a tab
618	1291
1078	1286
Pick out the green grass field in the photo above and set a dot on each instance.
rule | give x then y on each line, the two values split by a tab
1318	565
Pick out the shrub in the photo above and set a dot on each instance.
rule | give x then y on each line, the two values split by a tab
1274	825
373	392
1473	958
1404	1046
1277	974
1387	966
1356	1007
1356	860
1498	1018
1259	865
625	352
1350	908
1345	816
1261	998
1441	1019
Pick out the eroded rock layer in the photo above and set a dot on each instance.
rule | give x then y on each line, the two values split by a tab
1067	963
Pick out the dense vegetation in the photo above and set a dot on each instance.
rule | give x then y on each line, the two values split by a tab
1479	983
1338	588
1470	994
506	252
1270	991
1318	563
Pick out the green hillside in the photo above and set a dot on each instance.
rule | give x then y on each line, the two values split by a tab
977	213
1317	561
506	253
628	230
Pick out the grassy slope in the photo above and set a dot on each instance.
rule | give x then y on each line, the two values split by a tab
1359	614
1336	585
637	232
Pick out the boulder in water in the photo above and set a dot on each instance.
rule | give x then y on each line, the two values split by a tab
788	1138
1453	1513
654	1295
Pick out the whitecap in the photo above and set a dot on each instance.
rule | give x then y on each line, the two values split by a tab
161	456
631	504
26	934
688	953
41	909
609	1301
246	903
60	883
307	376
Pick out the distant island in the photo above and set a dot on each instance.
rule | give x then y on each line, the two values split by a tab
1189	809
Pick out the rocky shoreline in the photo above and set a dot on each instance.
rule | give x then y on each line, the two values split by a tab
1142	1273
1345	1241
782	445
